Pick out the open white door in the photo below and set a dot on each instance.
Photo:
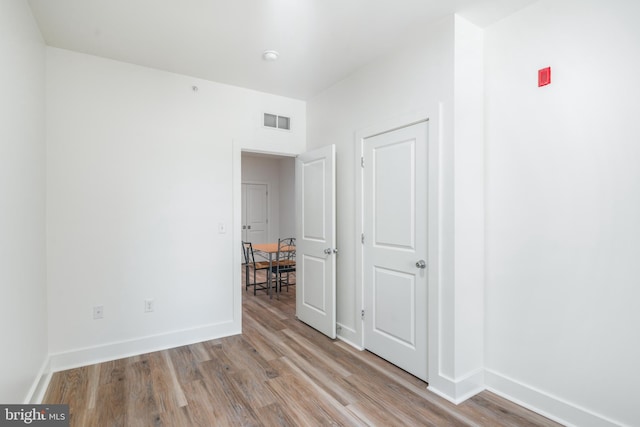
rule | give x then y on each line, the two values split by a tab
316	239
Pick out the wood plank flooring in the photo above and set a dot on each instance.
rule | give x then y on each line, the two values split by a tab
279	372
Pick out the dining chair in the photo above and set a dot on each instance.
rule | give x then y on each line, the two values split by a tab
250	263
285	263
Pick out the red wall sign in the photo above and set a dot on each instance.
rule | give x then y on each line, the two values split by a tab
544	77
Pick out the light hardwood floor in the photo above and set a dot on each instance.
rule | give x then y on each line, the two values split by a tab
279	372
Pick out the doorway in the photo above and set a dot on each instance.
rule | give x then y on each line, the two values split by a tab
267	197
305	207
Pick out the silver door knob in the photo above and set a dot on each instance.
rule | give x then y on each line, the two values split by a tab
421	264
328	251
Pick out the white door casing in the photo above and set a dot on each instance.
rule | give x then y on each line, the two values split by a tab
316	239
395	224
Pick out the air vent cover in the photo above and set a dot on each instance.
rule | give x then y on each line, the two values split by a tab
277	122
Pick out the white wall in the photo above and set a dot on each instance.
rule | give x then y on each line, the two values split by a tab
404	83
265	170
23	310
563	203
287	177
279	174
418	79
140	172
468	165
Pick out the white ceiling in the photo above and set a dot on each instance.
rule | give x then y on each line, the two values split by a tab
320	41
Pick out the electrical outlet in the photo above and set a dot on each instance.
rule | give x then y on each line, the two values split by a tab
98	312
149	305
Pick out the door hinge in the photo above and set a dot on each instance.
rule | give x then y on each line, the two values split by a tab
362	161
362	314
362	238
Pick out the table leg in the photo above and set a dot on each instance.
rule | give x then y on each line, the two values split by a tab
269	276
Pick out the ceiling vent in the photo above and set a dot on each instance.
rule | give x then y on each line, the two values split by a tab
277	122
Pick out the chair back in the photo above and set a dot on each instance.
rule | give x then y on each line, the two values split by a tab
286	255
247	251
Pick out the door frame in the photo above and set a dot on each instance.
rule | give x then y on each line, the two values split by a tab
236	223
434	230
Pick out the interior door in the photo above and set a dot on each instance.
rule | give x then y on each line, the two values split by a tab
395	247
255	213
316	239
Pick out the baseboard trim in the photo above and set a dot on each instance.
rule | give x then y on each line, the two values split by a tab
118	350
40	384
458	390
544	403
349	336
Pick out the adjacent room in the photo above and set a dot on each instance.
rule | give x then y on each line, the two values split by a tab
461	179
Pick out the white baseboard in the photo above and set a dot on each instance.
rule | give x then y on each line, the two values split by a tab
458	390
118	350
544	403
349	336
40	384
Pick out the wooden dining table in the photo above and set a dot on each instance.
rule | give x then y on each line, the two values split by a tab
268	250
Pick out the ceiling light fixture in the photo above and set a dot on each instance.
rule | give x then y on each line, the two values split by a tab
270	55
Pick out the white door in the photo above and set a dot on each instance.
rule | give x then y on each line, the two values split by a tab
316	239
254	213
395	247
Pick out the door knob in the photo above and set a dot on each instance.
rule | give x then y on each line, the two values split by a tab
421	264
328	251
